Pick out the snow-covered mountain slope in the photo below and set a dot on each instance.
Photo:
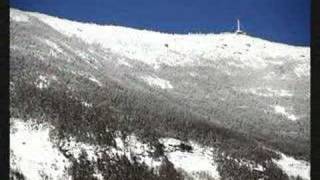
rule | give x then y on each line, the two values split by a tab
156	48
159	83
29	139
33	154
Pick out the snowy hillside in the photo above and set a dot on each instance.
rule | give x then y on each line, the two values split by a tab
150	47
106	101
28	140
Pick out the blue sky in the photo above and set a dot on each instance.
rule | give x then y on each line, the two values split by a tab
286	21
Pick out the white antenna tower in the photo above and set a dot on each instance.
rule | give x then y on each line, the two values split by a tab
238	31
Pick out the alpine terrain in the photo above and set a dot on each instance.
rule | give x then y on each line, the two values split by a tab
94	102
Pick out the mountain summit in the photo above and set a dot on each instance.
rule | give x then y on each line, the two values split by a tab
149	99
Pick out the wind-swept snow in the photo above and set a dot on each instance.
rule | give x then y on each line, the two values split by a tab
54	48
124	62
53	45
32	152
155	48
132	146
272	75
75	148
129	147
293	167
199	160
282	110
302	69
93	79
156	81
268	92
19	17
193	74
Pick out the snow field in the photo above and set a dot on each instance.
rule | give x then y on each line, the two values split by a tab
150	47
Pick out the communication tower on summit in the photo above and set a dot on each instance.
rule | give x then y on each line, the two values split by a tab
239	31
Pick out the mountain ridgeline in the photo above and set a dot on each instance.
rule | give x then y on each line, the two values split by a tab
245	98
